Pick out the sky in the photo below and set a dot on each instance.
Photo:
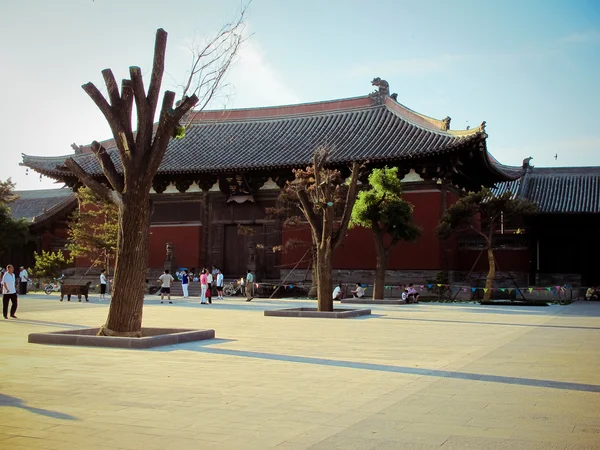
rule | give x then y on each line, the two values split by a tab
530	68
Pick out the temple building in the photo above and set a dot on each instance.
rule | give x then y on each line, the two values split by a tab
231	165
47	212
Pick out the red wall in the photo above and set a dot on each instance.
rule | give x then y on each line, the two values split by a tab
358	248
513	260
188	245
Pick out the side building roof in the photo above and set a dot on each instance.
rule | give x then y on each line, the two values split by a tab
558	190
38	206
357	129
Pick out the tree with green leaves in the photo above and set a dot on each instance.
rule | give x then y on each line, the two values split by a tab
93	229
50	264
318	191
483	213
13	232
382	209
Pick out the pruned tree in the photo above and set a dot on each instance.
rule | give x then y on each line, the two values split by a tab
50	264
140	153
482	213
93	229
382	209
318	191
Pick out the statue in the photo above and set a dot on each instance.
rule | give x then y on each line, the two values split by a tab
170	262
384	86
446	123
378	97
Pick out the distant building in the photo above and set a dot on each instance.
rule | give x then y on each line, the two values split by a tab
47	212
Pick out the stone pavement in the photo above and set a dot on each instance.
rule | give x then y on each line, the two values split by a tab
410	377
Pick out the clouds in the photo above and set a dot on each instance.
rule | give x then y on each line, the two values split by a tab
582	37
256	82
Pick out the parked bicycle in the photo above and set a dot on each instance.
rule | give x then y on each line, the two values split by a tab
55	285
232	289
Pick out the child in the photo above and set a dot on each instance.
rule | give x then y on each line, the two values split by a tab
405	296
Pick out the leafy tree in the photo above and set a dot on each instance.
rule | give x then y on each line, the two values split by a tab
141	154
382	210
93	229
13	232
482	213
318	191
50	264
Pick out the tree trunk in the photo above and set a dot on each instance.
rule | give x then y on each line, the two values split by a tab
491	276
313	274
324	280
129	283
381	257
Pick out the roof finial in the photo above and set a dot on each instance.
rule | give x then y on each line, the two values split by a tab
526	163
446	123
379	95
78	148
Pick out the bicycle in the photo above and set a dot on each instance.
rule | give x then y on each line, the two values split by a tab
230	289
55	285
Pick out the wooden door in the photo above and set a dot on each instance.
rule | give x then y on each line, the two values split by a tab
235	259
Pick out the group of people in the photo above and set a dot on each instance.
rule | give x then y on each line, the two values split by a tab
409	293
207	279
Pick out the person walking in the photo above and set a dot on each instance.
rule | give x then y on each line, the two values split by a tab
185	283
209	283
103	283
203	286
249	285
9	292
24	277
165	288
219	285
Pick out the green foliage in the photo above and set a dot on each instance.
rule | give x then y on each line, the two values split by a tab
486	206
50	264
13	233
93	228
7	193
382	209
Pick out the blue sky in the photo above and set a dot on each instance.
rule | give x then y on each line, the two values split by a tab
530	69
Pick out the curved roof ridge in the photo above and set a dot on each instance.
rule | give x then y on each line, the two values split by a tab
427	122
280	111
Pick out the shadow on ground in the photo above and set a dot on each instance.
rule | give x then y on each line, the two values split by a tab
7	400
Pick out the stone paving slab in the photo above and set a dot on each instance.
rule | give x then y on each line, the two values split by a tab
458	376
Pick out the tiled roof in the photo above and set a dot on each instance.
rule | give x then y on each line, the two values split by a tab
35	206
559	190
286	137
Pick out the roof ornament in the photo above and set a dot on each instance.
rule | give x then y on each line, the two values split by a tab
77	148
526	165
378	97
446	123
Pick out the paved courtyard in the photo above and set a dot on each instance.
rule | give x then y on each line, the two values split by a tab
421	376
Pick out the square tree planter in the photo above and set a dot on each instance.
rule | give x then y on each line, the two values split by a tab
337	313
151	337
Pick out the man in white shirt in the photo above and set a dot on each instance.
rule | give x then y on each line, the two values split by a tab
9	293
165	288
219	285
24	277
337	292
359	292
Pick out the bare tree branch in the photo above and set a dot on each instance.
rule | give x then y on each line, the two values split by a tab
96	187
310	215
112	88
350	199
158	68
113	177
143	137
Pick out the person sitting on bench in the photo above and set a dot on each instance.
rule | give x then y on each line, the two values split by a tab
359	292
592	293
